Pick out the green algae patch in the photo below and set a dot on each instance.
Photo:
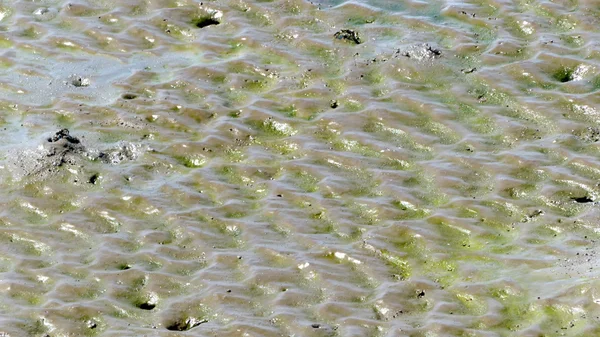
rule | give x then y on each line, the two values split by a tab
26	245
34	298
444	272
285	148
325	225
275	128
445	134
367	214
343	144
562	205
585	169
306	181
352	105
573	41
521	191
409	242
505	209
454	234
474	118
192	160
396	135
560	316
398	266
229	234
471	304
410	211
430	195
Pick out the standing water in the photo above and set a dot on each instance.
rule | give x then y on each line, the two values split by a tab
299	168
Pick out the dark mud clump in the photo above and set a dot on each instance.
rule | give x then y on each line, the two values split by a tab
348	35
64	134
61	149
64	148
185	324
434	51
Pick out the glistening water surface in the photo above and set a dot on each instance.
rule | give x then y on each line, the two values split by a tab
299	168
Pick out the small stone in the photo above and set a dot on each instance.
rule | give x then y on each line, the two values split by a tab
45	13
81	82
185	325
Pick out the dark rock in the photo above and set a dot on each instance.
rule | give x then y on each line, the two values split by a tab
129	96
348	35
434	51
81	82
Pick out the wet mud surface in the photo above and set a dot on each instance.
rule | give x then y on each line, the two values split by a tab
299	168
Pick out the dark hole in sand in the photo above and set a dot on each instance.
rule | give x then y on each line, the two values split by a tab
129	96
147	306
564	75
205	22
94	179
583	200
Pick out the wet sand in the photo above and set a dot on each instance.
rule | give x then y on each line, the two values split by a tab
299	168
